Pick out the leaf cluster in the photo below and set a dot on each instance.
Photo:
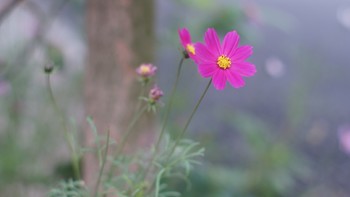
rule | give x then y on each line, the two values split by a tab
69	188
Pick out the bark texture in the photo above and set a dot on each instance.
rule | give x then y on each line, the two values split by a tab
120	36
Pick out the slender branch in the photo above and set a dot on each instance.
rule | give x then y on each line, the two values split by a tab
125	137
75	160
170	103
129	129
189	120
185	128
103	164
167	112
142	94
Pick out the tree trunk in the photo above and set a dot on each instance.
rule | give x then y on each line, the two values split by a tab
120	36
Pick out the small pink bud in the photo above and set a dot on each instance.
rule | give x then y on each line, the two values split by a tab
146	70
155	93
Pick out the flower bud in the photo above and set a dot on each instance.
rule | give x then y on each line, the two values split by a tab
48	68
185	54
155	94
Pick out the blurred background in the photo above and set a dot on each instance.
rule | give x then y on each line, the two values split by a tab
286	133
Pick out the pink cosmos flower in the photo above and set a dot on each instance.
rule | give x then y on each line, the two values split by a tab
146	70
185	39
224	62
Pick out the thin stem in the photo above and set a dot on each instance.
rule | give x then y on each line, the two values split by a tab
170	104
103	164
166	115
142	93
75	160
189	120
126	135
186	126
129	129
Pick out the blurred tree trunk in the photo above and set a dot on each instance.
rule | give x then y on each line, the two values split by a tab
120	36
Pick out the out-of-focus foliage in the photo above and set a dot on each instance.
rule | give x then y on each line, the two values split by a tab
69	188
270	167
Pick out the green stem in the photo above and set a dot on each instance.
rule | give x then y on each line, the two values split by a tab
142	94
166	115
103	164
126	135
189	120
75	160
129	129
185	128
170	104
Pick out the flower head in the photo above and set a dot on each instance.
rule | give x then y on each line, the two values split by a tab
224	62
155	94
186	42
146	70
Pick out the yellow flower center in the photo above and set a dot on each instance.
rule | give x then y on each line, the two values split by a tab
224	62
190	48
145	69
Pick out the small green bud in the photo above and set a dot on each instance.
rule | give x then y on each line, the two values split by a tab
48	68
185	54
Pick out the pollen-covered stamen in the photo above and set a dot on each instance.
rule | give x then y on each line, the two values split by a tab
224	62
190	48
145	69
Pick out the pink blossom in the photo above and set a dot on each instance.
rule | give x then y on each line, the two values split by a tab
185	39
146	70
344	138
155	93
226	62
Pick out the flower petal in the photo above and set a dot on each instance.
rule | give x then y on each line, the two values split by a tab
203	54
207	70
234	79
230	43
212	40
242	53
245	69
219	79
194	58
185	36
